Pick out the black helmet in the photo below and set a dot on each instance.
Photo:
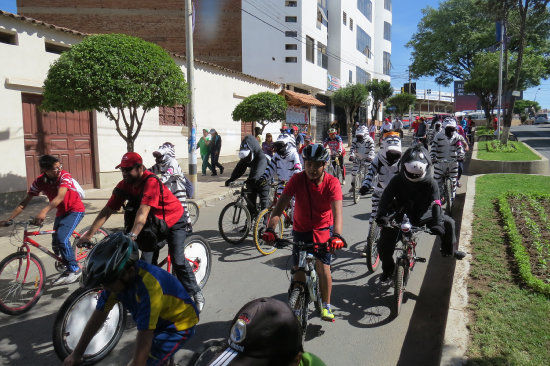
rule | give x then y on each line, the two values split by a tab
108	259
315	152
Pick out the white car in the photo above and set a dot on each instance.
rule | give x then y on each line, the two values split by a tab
541	118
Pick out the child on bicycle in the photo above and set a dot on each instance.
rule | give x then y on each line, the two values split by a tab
57	184
362	151
336	147
164	313
317	217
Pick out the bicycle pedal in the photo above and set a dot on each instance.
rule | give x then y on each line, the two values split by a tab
420	259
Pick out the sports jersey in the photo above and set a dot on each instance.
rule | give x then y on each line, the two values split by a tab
71	201
335	145
173	209
156	300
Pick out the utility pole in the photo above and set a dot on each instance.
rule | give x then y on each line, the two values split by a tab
501	40
410	114
191	124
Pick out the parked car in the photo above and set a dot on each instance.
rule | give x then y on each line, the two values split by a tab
541	118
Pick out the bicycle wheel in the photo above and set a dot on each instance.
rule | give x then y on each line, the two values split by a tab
197	252
193	209
298	304
373	258
356	186
234	223
81	253
206	353
398	287
21	282
317	300
259	227
448	191
72	318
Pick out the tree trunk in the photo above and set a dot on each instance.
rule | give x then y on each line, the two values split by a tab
349	124
130	146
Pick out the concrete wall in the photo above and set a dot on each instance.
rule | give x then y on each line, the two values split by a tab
478	166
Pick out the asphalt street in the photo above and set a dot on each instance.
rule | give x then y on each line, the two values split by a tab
536	136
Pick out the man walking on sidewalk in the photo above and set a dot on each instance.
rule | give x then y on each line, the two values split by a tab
204	146
215	149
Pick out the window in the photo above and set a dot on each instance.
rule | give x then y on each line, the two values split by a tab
291	4
387	5
172	116
361	75
56	48
291	60
344	18
291	19
350	76
322	15
365	7
8	37
387	63
387	31
309	49
291	34
363	42
291	46
350	24
322	58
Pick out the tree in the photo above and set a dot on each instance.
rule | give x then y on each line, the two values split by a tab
483	81
401	102
119	75
264	108
526	108
380	91
350	98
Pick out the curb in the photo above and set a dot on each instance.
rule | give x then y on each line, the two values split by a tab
209	200
455	341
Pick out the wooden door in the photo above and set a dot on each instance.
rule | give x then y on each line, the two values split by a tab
247	128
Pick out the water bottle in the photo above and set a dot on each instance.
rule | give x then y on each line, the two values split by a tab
406	225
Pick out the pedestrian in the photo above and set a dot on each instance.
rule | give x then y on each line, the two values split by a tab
204	146
258	135
215	149
267	145
495	122
421	133
397	125
372	129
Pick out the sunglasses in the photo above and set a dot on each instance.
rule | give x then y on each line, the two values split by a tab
127	170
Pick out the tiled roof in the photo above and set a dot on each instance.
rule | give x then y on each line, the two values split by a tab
39	22
295	98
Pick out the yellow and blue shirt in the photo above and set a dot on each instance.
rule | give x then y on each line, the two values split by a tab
156	300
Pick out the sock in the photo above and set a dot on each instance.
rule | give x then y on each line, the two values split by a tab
326	305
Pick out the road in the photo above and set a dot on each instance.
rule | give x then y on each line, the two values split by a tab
536	136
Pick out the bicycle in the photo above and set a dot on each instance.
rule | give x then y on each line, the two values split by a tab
447	194
77	309
334	168
371	252
193	209
22	273
235	219
358	178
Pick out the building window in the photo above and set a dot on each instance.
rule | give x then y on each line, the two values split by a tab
387	63
291	4
350	73
291	46
322	58
292	60
365	7
322	16
363	42
8	37
350	24
344	18
309	49
387	31
361	75
387	5
172	116
291	34
291	19
56	48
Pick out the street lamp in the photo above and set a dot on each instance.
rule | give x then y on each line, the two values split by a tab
536	95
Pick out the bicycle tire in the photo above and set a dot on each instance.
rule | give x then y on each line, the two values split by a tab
373	257
235	231
398	287
448	194
72	318
194	211
10	285
259	227
356	186
81	253
317	299
205	355
298	304
197	252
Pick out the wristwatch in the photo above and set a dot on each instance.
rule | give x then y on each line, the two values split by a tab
133	236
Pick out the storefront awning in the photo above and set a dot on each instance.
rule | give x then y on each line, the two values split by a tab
300	99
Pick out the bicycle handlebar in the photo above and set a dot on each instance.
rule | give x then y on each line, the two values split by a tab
315	247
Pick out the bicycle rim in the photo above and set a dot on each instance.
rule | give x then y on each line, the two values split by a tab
82	253
193	210
356	186
448	195
197	252
259	227
297	302
234	223
398	288
373	258
21	282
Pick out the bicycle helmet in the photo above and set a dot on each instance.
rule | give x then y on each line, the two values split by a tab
449	125
108	260
315	152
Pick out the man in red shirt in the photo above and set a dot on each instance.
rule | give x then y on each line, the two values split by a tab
58	186
317	216
141	189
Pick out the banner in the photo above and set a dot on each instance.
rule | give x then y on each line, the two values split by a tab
297	115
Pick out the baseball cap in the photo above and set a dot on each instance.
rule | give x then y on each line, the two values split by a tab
263	331
212	131
130	159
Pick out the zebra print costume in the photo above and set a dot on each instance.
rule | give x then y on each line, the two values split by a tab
284	166
362	151
446	148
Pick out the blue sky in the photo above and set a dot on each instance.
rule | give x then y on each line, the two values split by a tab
406	14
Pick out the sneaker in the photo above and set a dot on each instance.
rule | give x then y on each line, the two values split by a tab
214	174
199	300
221	170
459	255
326	314
67	277
385	277
344	182
458	184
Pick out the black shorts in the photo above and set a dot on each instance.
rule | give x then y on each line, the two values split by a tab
307	237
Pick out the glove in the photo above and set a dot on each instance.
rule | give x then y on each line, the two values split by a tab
434	160
336	242
269	235
261	182
351	158
364	190
228	182
437	229
382	220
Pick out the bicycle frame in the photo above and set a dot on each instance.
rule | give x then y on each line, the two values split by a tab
306	264
27	240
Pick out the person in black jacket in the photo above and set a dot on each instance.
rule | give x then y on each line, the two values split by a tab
215	149
251	156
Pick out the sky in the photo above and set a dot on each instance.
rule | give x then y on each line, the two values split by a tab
406	15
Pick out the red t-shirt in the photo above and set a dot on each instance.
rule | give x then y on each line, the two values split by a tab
151	197
313	210
71	202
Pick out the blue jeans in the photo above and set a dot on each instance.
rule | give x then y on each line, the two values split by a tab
61	240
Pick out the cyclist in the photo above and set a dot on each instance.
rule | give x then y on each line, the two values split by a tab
164	313
317	217
421	133
334	143
145	205
362	151
434	131
285	162
413	192
58	185
447	145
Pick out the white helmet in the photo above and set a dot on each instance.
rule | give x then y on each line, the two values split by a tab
449	122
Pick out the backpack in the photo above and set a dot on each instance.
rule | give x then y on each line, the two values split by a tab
188	187
78	189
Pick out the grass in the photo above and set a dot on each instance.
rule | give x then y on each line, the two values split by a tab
509	323
522	153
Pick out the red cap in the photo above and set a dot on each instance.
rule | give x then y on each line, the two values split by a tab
130	159
417	117
295	128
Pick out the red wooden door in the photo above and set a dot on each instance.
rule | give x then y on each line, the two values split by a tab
65	135
247	128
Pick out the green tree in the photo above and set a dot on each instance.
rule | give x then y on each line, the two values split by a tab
119	75
525	107
401	102
380	91
263	108
350	98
